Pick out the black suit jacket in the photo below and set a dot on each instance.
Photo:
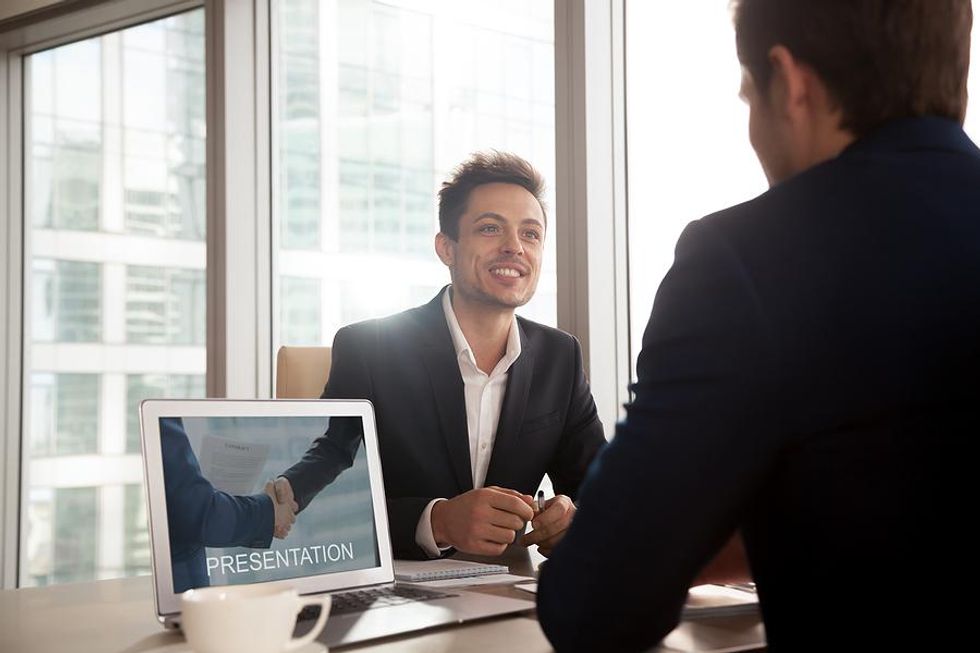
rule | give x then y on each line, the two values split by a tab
406	365
811	375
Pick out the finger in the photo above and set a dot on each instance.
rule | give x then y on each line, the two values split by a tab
505	519
558	510
526	498
547	530
510	503
496	534
552	542
554	515
283	490
547	537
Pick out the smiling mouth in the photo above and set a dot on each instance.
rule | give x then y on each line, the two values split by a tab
510	272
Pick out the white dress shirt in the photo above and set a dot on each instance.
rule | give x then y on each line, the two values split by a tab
484	395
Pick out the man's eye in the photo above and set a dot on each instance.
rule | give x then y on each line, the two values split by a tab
533	235
489	229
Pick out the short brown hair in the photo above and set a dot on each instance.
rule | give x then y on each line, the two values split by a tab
880	59
481	168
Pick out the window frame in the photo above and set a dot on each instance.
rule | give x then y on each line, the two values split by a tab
591	210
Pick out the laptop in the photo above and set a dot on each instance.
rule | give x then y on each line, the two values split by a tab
207	463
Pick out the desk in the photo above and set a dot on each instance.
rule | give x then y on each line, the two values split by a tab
116	616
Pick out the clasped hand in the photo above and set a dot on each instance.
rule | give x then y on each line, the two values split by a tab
484	521
284	503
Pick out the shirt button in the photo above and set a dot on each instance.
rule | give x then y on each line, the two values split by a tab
483	446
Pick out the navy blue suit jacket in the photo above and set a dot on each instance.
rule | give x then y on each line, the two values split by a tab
406	365
199	515
810	375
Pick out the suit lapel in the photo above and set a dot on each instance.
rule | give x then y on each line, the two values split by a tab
506	442
447	388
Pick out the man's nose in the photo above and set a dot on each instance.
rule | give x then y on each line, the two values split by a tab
512	244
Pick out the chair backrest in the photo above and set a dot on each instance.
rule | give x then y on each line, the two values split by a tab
301	372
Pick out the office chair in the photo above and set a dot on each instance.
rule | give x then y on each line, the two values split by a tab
301	372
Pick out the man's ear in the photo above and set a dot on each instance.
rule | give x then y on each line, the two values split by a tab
789	90
446	249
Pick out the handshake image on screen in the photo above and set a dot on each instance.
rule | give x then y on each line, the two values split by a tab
201	515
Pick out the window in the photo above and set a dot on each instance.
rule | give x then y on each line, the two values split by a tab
67	301
115	283
376	102
65	412
136	551
155	386
165	306
299	301
973	110
673	181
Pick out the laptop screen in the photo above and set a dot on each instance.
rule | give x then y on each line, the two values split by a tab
216	459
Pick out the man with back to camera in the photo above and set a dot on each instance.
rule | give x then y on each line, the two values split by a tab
811	367
473	404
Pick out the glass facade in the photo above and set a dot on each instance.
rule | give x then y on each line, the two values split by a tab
376	103
115	292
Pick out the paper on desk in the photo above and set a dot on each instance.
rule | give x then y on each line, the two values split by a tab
718	601
233	466
489	579
712	637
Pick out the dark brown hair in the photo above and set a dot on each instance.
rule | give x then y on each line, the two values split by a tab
880	59
481	168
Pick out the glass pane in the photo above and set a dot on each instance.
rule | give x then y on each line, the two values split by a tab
75	515
377	102
115	290
136	551
669	173
973	108
159	386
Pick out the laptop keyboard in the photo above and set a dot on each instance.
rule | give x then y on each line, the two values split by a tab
379	597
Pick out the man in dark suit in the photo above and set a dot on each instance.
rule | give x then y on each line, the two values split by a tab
473	404
810	374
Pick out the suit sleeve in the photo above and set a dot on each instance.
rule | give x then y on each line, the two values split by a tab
334	451
199	514
672	485
583	436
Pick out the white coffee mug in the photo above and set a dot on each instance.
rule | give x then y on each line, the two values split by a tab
247	618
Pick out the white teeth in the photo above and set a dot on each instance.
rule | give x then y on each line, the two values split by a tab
506	272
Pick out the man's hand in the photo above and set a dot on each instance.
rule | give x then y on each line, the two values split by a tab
730	565
550	524
482	521
285	508
284	493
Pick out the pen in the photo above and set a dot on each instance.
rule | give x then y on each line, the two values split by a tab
540	500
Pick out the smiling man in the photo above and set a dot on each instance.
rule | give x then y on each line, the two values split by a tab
473	404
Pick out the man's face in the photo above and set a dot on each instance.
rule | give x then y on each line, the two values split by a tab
764	132
497	259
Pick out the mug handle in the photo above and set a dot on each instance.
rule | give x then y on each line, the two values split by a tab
321	621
